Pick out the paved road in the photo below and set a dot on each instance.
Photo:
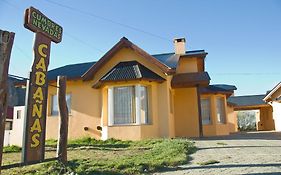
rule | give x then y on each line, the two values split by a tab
242	153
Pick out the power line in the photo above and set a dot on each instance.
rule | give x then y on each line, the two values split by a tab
23	52
83	42
12	5
69	35
248	73
108	20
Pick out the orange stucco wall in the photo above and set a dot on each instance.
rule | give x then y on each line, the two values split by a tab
187	65
85	111
232	119
186	112
266	121
216	128
158	97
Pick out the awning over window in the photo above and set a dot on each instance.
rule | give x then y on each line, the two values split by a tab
127	71
190	80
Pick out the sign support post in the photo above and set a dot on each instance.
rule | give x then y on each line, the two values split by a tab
37	88
63	124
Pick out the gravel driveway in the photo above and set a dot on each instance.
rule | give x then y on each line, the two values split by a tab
241	153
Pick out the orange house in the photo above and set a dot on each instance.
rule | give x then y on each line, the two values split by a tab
131	95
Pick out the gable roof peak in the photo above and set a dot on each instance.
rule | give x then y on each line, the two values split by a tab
124	42
124	38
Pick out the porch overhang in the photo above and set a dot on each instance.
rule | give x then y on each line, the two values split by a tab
185	80
250	107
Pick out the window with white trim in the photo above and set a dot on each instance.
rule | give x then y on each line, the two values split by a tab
127	105
55	107
144	105
220	109
206	111
123	105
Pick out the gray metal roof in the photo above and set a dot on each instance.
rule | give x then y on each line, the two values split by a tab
72	71
248	100
223	88
171	59
130	70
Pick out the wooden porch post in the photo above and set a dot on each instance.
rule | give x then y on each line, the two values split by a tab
6	43
199	112
63	124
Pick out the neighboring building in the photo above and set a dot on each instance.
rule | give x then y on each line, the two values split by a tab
273	98
130	94
264	118
16	97
269	106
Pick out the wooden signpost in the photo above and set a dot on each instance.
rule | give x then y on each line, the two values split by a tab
37	87
6	43
63	124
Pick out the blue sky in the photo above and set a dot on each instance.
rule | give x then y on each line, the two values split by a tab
243	38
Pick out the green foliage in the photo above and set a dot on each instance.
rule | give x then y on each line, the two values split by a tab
89	156
209	162
51	142
88	141
11	149
246	120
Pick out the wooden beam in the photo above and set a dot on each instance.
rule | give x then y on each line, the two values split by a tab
63	124
199	112
6	43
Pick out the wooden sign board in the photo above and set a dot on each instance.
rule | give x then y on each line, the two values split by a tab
36	21
37	87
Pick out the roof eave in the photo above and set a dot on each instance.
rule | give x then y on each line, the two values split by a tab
267	97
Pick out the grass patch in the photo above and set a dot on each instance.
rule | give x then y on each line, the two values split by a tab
11	149
89	156
221	143
209	162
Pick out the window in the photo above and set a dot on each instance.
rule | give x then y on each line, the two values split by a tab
8	125
55	107
205	111
220	109
18	114
144	105
123	100
128	105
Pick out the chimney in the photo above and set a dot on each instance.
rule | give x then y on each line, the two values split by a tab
179	44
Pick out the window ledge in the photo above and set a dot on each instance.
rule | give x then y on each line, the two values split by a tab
119	125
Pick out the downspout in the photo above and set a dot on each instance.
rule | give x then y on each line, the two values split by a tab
199	112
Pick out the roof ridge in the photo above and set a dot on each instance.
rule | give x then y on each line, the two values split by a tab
248	95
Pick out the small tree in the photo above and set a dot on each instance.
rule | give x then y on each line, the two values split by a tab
246	120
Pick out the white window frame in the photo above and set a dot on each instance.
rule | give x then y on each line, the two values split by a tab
137	106
52	104
210	111
219	112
